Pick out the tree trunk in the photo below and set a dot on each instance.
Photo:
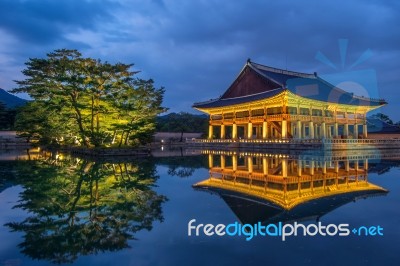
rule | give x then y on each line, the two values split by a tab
79	120
122	138
127	138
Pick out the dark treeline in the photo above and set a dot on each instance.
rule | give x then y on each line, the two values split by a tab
182	122
7	117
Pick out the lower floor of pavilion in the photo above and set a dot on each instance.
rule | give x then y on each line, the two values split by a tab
288	130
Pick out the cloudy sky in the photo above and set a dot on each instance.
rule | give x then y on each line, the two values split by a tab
195	49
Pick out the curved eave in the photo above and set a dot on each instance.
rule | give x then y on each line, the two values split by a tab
320	90
288	204
365	105
236	101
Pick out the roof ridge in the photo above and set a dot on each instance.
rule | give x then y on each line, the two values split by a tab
248	95
281	71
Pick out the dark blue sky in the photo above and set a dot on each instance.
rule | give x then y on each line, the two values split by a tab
195	49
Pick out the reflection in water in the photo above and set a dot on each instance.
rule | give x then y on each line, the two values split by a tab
80	207
274	187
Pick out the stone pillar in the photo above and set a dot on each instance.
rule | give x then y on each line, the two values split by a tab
356	131
336	130
210	132
347	165
299	166
365	133
312	166
298	130
336	167
222	131
316	135
250	164
234	131
265	130
303	130
346	130
222	161
311	129
324	167
265	165
284	129
234	162
249	130
210	161
323	130
284	167
365	164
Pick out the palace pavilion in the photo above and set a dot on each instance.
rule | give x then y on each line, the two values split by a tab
269	103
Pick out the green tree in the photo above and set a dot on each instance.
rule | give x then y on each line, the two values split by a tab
82	92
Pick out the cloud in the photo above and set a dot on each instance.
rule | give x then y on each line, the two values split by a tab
196	48
44	21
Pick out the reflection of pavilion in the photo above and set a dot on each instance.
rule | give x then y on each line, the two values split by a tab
275	188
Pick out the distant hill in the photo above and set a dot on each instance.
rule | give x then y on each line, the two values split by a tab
10	100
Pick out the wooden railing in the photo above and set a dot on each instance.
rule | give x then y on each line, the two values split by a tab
290	117
299	141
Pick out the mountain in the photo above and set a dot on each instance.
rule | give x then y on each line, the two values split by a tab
10	100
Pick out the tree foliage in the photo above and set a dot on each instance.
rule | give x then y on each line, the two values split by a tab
93	103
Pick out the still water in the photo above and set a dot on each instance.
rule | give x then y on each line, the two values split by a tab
58	209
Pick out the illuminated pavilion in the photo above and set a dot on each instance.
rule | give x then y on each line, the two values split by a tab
270	103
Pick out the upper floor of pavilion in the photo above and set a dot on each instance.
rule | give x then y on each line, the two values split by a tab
256	83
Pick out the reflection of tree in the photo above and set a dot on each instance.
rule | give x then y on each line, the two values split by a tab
80	207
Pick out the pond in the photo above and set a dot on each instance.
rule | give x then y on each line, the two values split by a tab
240	208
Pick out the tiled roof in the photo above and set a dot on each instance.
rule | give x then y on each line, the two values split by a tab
305	85
231	101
